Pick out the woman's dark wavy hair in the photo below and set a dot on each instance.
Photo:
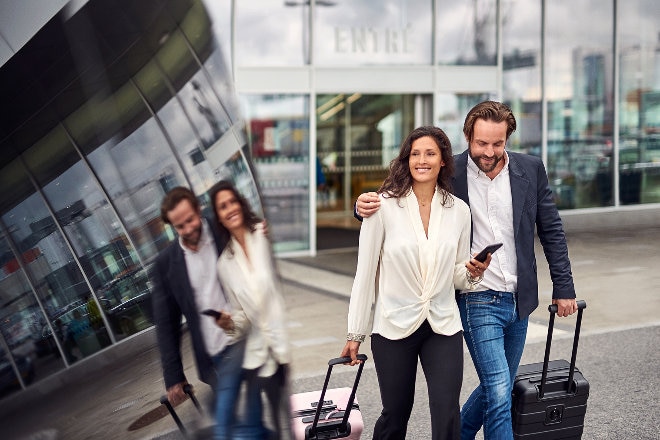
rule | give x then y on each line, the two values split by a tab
249	218
399	181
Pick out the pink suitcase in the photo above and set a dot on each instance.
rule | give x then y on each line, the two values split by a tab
338	417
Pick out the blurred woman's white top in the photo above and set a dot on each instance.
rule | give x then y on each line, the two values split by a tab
259	311
410	277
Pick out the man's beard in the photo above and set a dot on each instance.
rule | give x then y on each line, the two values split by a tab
196	234
484	168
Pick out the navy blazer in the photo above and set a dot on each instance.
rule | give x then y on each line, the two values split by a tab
173	298
533	207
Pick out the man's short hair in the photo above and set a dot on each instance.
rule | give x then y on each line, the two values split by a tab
173	198
489	111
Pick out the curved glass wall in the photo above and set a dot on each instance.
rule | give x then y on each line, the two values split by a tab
80	225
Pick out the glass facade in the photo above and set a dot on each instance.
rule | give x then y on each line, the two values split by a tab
583	88
303	108
466	32
639	103
579	89
521	74
261	39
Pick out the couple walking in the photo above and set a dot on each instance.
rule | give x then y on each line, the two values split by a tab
433	212
223	264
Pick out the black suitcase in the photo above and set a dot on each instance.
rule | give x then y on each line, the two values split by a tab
549	399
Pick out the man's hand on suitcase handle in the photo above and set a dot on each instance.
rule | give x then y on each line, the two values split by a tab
565	307
176	394
351	350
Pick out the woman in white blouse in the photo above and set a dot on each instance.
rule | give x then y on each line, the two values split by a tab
248	275
414	253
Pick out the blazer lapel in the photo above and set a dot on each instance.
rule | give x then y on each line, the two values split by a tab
459	181
519	186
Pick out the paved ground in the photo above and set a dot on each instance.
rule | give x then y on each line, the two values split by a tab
615	272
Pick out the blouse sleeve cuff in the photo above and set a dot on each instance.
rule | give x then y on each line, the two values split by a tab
355	337
474	282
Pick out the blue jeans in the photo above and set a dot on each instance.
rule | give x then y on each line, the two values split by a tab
495	338
230	374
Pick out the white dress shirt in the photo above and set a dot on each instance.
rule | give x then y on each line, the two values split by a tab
259	311
207	289
492	217
410	277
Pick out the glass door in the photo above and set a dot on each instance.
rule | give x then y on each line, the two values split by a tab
357	137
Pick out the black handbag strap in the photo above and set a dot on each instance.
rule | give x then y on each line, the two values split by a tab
351	399
546	359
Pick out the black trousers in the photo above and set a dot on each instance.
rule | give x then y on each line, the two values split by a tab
396	367
277	392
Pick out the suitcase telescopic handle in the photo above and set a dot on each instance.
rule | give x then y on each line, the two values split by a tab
552	308
346	360
581	304
351	399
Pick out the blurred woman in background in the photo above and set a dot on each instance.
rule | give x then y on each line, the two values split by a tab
249	278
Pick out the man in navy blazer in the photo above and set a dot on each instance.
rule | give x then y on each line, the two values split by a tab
533	207
185	282
510	200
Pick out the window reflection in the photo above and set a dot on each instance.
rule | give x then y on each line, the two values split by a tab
639	102
57	279
101	248
220	12
281	37
521	75
579	90
219	74
450	111
466	32
278	128
137	172
21	322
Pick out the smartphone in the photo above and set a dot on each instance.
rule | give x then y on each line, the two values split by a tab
214	313
481	256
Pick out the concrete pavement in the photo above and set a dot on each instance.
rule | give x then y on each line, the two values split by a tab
615	272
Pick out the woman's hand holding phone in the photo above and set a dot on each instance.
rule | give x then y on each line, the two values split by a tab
482	259
223	319
481	256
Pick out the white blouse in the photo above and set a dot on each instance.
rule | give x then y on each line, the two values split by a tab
259	311
410	277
